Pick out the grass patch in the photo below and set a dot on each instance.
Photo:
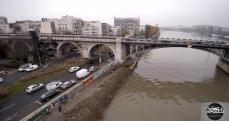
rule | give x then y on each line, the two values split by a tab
42	75
21	85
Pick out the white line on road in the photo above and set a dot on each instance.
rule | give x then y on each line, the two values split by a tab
37	101
7	107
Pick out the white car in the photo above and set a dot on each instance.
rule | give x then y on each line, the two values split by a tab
72	69
1	80
67	84
23	67
33	88
53	85
31	68
92	68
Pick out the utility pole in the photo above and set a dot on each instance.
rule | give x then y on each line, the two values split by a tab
100	60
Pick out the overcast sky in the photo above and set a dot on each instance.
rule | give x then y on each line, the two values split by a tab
161	12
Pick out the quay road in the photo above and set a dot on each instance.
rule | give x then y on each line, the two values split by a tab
18	106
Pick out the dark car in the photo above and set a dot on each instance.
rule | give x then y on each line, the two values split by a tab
48	95
111	54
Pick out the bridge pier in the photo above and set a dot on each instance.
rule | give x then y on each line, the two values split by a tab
118	51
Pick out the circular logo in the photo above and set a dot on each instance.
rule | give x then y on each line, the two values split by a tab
215	111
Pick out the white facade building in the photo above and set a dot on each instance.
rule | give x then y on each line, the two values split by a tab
4	26
65	25
142	29
92	28
116	31
130	25
48	26
26	26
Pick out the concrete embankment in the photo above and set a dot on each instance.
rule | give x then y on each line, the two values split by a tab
223	65
90	103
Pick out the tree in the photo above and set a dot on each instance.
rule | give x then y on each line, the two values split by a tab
124	33
151	31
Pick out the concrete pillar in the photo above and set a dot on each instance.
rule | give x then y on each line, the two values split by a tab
118	50
85	53
58	53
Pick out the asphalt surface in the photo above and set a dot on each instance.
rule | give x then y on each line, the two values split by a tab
18	106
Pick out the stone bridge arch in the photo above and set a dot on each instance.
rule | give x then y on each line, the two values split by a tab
110	46
14	43
65	46
24	48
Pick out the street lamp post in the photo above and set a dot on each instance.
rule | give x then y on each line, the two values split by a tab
100	60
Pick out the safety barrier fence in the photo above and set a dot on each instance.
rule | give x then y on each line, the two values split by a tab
42	111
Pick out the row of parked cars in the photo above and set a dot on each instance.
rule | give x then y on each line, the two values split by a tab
54	88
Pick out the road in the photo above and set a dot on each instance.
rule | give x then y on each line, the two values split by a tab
16	75
18	106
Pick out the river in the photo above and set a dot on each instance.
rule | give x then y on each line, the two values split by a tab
169	84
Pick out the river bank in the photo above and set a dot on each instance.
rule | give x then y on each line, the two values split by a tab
90	103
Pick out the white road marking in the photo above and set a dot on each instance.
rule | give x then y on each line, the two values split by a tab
37	101
7	107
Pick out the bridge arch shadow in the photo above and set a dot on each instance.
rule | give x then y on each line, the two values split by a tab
101	51
23	51
67	49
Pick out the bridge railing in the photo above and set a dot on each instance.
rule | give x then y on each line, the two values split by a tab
15	36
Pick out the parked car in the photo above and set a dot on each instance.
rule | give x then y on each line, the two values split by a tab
48	95
67	84
72	69
33	88
23	67
111	54
82	73
92	68
1	80
31	68
53	85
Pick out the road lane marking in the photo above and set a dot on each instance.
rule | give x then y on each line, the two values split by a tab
37	101
7	107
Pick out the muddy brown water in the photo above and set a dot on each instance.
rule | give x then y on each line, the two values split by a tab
169	84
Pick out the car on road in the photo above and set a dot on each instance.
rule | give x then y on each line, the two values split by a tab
92	68
111	54
1	80
73	69
53	85
23	67
49	94
33	88
31	68
82	73
67	84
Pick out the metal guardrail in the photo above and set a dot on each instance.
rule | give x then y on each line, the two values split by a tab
40	112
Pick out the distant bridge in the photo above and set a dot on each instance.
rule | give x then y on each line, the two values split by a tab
120	46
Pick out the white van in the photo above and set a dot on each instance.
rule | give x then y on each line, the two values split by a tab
82	73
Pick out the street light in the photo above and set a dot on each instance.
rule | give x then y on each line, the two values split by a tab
100	60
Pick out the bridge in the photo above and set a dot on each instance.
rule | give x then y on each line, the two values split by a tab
120	46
